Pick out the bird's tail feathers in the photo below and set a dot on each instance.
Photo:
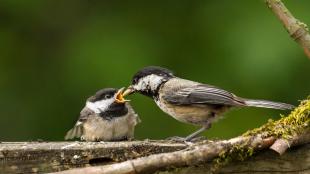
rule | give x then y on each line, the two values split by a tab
75	132
268	104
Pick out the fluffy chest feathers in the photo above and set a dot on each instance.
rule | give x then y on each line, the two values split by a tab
97	128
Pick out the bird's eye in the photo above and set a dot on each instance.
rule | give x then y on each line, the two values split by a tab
108	96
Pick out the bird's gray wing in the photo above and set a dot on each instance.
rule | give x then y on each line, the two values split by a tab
132	112
77	130
202	94
85	113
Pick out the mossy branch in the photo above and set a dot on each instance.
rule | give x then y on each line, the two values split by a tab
292	130
296	29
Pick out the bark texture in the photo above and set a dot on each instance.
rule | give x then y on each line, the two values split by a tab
154	156
42	157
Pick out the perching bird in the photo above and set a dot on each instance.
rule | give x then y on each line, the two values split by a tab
107	116
189	101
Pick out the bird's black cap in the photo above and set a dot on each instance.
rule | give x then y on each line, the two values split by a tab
103	94
152	70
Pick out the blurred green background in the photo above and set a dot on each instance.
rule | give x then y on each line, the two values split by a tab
54	54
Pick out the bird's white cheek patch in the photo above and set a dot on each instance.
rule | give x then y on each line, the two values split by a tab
149	82
155	81
140	86
99	106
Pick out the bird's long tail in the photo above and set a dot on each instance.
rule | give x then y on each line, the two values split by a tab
75	132
268	104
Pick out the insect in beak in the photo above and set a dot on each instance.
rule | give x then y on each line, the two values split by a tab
119	96
129	91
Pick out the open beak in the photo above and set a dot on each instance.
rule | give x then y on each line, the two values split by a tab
119	96
129	91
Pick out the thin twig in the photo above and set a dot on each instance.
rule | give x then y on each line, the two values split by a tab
280	146
296	29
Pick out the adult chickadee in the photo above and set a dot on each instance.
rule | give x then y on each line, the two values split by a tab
189	101
106	117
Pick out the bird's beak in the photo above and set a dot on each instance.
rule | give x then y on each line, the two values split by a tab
129	91
119	96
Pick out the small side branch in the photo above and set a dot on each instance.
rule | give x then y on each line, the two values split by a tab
296	29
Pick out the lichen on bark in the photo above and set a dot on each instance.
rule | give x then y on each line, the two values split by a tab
285	128
296	122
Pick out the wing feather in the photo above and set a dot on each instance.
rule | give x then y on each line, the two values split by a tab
202	94
77	130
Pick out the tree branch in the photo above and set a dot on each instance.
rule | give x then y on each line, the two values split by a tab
43	157
189	157
149	156
296	29
278	135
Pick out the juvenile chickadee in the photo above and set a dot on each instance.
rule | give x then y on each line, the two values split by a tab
188	101
106	117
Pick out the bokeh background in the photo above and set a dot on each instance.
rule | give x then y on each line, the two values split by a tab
55	53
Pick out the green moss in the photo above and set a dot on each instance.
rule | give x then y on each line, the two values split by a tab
236	153
285	127
294	123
